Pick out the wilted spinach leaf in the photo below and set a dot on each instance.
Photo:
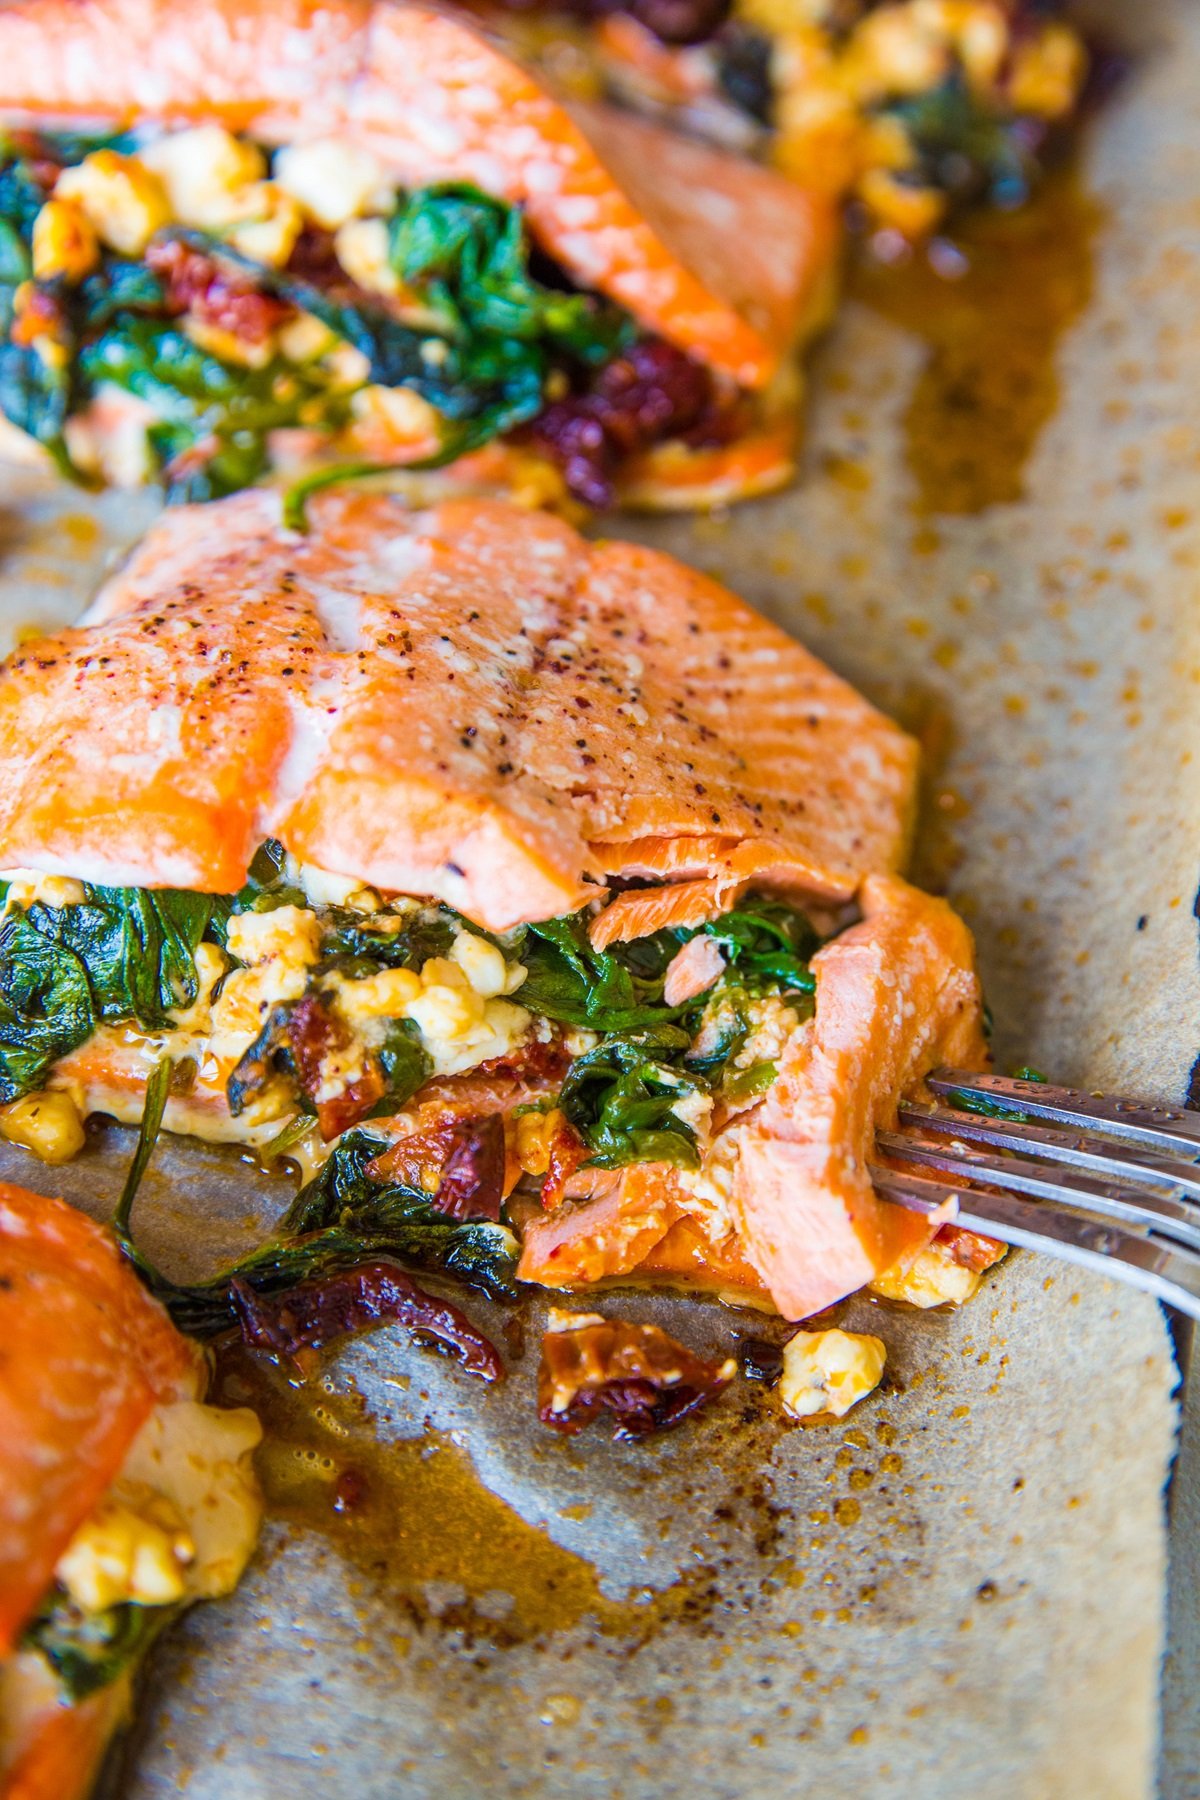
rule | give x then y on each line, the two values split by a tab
89	1650
575	984
767	943
466	255
620	1099
202	403
342	1218
123	953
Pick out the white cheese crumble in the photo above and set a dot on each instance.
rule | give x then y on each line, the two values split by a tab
334	180
829	1371
29	886
933	1278
182	1518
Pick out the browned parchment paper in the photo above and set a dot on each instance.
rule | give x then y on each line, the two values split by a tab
959	1589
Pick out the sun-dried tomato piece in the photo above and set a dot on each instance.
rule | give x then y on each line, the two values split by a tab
969	1248
650	392
306	1035
214	293
314	1034
472	1184
312	1314
535	1064
460	1163
567	1152
647	1380
39	314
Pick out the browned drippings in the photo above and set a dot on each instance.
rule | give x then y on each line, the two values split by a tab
990	382
412	1516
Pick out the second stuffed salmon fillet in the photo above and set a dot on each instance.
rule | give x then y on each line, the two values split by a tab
365	233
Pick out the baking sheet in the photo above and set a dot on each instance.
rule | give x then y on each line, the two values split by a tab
960	1587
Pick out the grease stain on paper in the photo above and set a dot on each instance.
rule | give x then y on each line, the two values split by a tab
989	381
411	1515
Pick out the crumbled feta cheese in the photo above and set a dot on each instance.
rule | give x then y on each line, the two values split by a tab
361	246
484	966
773	1024
933	1278
29	886
334	180
536	1132
385	995
829	1371
206	173
124	201
291	933
49	1124
245	353
123	1554
324	888
273	223
279	948
400	414
558	1318
211	964
64	243
711	1185
304	338
199	1458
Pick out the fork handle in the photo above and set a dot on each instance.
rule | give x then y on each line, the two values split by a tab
1174	1128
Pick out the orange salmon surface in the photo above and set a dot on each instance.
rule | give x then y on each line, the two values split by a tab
471	703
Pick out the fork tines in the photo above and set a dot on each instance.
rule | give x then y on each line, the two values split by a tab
1043	1160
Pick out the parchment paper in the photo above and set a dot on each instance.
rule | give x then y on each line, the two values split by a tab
960	1589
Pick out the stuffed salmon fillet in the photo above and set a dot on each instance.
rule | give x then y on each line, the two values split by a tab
911	109
538	879
366	233
123	1496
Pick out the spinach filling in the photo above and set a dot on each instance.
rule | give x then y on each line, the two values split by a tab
964	147
492	335
122	954
88	1651
128	955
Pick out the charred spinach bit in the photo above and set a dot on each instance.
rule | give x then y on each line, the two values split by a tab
340	1219
621	1096
349	940
89	1650
122	953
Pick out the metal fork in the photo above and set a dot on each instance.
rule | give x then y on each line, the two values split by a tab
1075	1155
